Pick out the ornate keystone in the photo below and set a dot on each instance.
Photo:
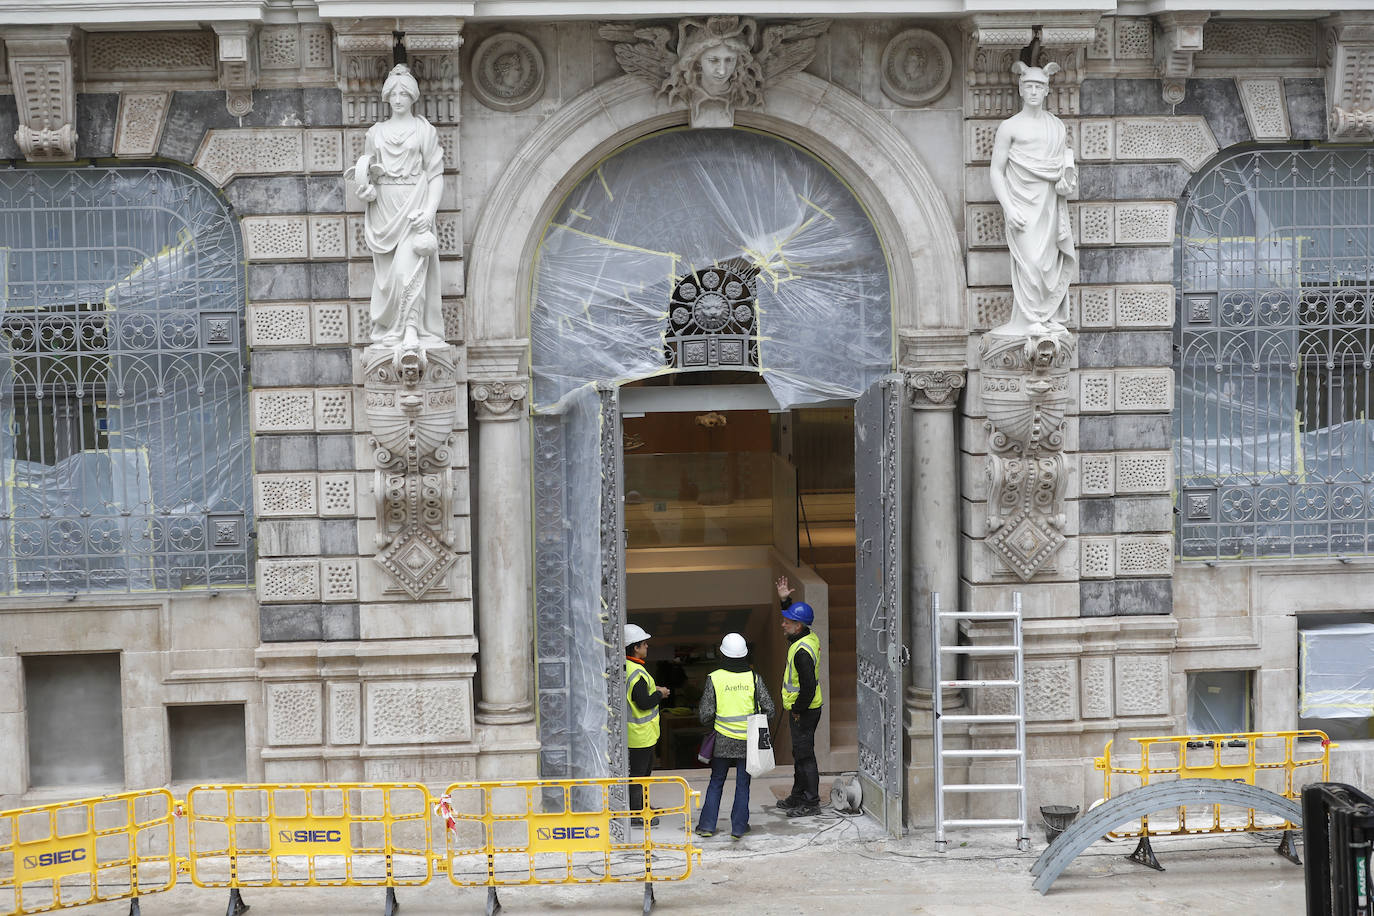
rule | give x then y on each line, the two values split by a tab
499	400
411	397
1025	389
715	65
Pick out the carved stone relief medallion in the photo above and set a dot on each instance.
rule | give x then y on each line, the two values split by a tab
916	67
507	72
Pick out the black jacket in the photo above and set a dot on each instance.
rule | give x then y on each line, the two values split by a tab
806	670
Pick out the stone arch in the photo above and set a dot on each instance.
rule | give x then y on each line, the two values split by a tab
875	160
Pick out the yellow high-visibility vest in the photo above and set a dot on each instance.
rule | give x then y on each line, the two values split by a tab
811	645
734	701
640	724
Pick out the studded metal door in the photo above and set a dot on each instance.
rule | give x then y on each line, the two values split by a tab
878	577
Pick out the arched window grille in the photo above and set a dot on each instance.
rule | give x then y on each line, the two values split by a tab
123	407
1275	337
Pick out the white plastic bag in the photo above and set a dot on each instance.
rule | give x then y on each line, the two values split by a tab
759	757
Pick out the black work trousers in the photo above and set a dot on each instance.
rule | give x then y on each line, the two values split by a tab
641	760
806	779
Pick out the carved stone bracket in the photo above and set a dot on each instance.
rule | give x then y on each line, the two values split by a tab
990	87
1350	75
365	54
411	400
996	41
1067	46
42	72
1180	37
432	52
717	64
238	64
499	400
1025	390
934	389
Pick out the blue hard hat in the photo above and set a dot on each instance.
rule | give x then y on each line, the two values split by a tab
800	612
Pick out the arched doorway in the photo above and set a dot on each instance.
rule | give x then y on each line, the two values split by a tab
911	216
723	256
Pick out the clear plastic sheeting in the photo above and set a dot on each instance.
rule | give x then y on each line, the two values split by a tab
683	200
1336	671
636	228
124	440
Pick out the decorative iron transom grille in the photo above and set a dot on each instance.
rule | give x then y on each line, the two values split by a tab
1275	337
713	319
124	433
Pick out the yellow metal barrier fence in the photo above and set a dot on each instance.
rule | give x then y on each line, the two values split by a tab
497	834
1270	760
115	847
570	831
310	835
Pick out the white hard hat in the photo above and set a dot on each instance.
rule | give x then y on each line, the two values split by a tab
634	633
734	646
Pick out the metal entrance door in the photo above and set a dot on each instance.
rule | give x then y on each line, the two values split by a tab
579	618
878	576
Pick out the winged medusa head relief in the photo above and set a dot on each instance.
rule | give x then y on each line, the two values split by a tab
714	65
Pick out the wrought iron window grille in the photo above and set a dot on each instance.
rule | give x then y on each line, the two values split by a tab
1274	347
123	407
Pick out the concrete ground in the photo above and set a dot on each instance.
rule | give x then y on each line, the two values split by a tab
837	864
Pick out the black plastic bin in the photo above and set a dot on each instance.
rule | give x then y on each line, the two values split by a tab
1337	831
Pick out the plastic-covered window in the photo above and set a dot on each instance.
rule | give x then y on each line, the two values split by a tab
680	210
124	439
1275	342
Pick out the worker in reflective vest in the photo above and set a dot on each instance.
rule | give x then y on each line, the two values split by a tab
734	691
801	697
642	697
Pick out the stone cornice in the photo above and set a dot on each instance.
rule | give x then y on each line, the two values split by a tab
95	13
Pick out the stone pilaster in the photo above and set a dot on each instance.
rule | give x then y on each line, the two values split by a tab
934	561
503	550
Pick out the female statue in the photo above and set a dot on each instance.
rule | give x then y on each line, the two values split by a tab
1033	174
400	177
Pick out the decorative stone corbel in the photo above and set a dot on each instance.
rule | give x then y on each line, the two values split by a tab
996	41
238	64
990	89
1066	44
412	407
1179	38
365	52
42	71
1350	75
432	53
1025	390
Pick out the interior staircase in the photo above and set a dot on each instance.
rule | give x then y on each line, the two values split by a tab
826	538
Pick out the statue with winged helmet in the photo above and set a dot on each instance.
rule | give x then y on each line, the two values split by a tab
714	65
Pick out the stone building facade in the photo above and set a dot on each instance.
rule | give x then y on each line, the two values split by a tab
336	660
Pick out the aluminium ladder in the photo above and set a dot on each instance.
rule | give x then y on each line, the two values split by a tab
1017	717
